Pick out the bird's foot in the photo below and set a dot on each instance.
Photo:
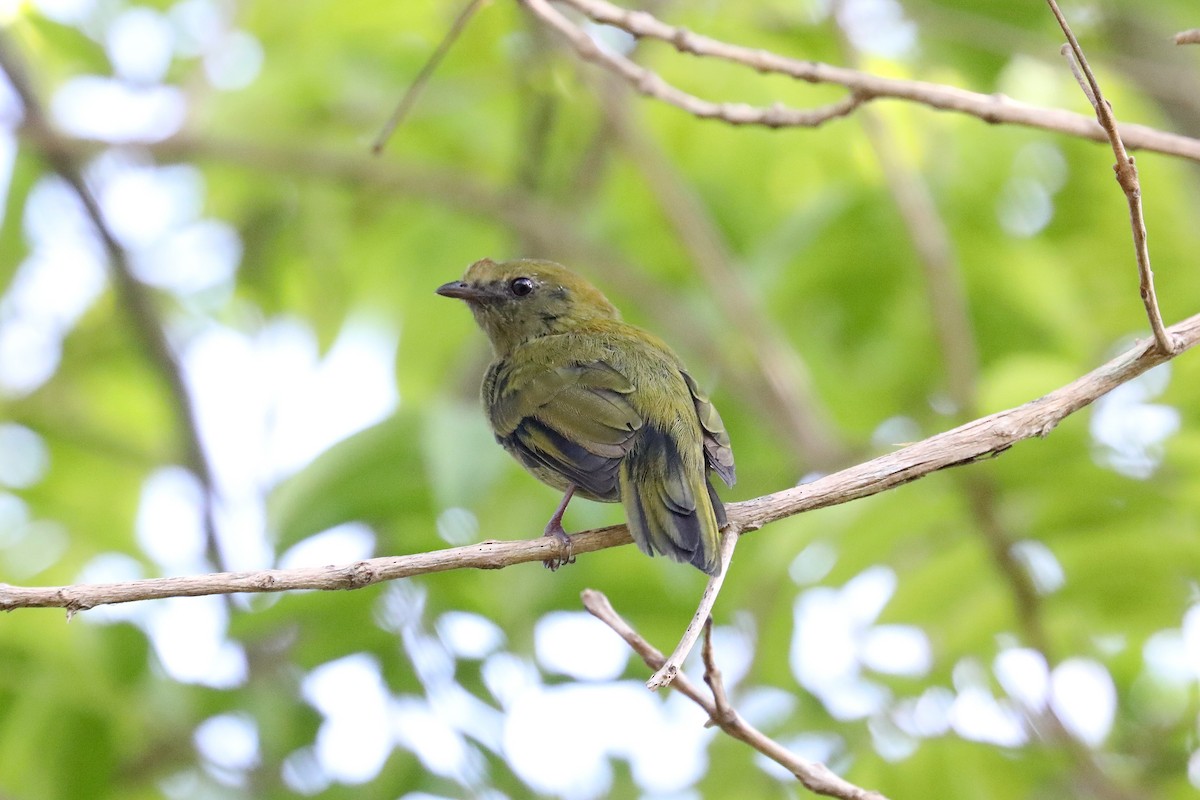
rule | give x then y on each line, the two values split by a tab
566	553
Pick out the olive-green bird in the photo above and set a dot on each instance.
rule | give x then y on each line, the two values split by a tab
597	407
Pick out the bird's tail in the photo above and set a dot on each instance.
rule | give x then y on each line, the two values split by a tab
670	506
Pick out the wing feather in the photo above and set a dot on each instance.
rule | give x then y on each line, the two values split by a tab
718	450
576	421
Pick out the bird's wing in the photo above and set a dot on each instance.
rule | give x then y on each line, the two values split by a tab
718	451
576	420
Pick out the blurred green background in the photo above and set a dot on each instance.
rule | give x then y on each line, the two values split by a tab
1027	627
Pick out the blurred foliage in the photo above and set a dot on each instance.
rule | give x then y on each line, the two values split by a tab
511	151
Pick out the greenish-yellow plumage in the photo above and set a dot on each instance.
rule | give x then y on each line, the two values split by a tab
597	407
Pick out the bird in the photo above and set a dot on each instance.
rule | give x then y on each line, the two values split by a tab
599	408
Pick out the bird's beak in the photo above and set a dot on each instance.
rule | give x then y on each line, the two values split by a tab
462	290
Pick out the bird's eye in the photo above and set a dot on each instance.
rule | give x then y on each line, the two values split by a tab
520	286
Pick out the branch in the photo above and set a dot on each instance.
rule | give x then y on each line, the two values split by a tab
1127	176
991	108
975	440
651	84
981	438
815	776
1191	36
670	668
148	326
485	555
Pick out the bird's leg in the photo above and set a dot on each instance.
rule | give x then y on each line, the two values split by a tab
554	528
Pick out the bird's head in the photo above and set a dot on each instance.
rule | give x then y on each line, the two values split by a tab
515	301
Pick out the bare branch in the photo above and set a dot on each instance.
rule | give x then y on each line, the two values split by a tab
1127	177
1191	36
981	438
485	555
991	108
815	776
651	84
670	668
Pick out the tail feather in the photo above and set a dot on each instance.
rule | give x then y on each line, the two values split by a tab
669	504
717	504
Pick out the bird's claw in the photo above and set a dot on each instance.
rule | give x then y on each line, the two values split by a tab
566	554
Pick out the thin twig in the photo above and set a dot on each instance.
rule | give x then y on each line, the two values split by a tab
147	323
1191	36
670	668
991	108
981	438
651	84
1127	177
1080	77
815	776
414	90
722	710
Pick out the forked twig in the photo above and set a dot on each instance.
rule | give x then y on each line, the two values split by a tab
1127	176
991	108
651	84
670	668
815	776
